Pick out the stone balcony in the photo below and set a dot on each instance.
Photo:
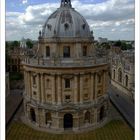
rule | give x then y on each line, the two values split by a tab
65	62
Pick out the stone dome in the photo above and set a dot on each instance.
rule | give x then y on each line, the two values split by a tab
66	22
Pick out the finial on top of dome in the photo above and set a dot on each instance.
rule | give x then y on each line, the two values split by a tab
66	3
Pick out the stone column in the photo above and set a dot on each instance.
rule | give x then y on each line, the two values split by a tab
28	84
96	115
59	87
92	87
81	88
75	123
42	89
53	89
75	89
37	113
96	81
25	82
38	87
104	82
61	124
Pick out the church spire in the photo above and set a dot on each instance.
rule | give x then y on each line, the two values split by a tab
66	3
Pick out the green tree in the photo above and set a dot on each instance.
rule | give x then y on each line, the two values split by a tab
15	44
118	43
29	44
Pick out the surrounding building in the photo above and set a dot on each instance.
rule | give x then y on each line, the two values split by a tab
16	55
65	83
23	43
7	87
122	71
102	40
14	59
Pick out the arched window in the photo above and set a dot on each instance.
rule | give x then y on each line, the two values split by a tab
47	51
48	117
126	81
120	75
32	115
66	52
87	117
84	50
67	83
114	74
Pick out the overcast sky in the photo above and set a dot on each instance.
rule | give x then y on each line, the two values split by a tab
112	19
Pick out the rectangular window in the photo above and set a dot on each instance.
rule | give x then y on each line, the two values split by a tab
67	83
47	51
67	97
34	93
66	52
34	80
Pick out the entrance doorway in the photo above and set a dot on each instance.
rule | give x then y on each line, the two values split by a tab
68	121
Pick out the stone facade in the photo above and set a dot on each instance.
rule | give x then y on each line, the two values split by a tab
122	72
65	84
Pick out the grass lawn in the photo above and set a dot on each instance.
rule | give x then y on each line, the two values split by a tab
115	130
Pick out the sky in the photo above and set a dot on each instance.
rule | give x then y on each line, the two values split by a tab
112	19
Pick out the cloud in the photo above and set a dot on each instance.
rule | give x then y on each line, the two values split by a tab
24	1
111	16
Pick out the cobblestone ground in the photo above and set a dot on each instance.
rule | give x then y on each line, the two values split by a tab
115	130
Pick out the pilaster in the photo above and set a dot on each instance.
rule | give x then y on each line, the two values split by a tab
92	87
53	89
96	81
59	87
75	89
38	87
81	88
42	88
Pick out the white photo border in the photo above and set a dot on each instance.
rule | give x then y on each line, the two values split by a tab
2	70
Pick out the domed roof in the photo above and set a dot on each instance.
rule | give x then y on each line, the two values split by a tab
66	22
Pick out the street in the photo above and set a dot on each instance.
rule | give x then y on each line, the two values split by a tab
13	101
123	103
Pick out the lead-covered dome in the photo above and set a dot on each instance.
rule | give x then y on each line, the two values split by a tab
66	22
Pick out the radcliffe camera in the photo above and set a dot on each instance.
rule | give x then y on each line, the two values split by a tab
70	70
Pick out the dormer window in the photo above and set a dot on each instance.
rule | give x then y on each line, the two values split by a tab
66	52
47	51
49	26
66	25
84	26
85	51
